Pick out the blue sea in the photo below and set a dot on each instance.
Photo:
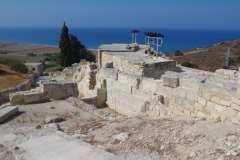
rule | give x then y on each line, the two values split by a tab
92	38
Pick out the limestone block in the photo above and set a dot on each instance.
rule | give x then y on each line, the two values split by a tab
32	97
198	106
229	72
225	95
129	79
211	105
191	107
6	92
7	112
206	111
229	112
16	98
180	108
170	81
187	82
186	112
191	95
220	108
225	103
236	120
186	103
122	87
182	92
48	86
179	101
200	114
215	115
215	99
235	106
180	112
101	91
150	85
193	114
142	94
59	94
202	101
236	101
223	117
206	95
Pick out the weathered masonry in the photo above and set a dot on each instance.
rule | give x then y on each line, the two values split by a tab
133	83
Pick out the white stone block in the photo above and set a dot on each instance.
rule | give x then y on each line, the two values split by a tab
191	95
16	98
225	102
215	99
202	101
211	105
235	106
170	81
220	108
200	114
229	112
198	106
32	97
236	101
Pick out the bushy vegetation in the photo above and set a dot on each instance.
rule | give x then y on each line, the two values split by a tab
31	55
177	53
3	52
190	65
14	64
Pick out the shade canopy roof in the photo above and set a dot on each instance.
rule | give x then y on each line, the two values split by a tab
135	31
153	34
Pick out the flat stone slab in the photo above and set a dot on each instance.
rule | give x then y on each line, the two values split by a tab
56	147
7	112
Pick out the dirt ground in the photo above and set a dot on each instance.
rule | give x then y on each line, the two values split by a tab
9	78
173	138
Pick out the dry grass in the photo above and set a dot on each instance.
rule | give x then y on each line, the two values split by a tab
9	78
211	58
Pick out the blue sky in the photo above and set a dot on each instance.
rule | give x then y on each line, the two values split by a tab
204	14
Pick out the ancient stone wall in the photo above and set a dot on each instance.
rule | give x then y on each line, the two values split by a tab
4	94
199	94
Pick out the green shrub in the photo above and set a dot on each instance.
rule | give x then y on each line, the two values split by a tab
31	55
3	52
53	69
47	54
47	59
237	53
14	64
177	53
190	65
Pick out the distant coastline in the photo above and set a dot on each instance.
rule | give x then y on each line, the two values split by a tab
92	38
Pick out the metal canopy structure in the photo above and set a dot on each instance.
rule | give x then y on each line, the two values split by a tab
153	38
134	35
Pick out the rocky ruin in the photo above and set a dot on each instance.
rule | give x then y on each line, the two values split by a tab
134	84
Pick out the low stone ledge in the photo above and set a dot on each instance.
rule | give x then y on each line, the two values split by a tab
91	108
7	112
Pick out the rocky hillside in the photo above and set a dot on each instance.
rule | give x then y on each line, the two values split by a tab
212	57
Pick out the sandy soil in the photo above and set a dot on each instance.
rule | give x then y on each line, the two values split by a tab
172	138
